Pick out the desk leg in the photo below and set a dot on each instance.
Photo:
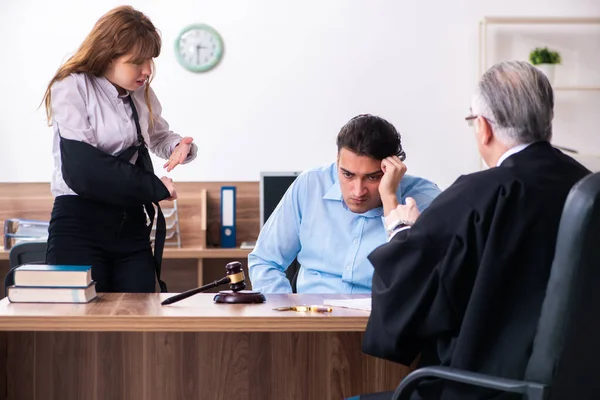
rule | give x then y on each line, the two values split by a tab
200	268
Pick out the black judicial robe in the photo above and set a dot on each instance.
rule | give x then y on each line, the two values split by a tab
467	281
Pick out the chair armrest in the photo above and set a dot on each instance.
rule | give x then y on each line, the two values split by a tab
533	391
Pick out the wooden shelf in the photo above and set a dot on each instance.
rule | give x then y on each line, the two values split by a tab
540	20
494	20
183	253
173	253
577	88
198	209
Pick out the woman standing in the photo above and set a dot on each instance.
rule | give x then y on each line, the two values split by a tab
105	116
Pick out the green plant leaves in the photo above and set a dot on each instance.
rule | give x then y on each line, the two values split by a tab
541	55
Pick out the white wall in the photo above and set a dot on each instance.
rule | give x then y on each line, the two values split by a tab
293	73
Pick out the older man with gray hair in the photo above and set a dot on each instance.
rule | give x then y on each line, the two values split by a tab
462	284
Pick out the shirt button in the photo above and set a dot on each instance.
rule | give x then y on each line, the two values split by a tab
348	268
355	241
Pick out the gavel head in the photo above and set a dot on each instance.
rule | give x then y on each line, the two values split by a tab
235	273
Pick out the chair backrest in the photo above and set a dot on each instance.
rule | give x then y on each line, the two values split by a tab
24	253
27	253
292	274
566	350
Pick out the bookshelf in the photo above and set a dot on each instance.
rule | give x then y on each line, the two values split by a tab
486	22
198	208
582	90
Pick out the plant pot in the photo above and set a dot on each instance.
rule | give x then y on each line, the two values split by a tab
548	70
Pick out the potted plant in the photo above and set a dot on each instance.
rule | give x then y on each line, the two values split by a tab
545	60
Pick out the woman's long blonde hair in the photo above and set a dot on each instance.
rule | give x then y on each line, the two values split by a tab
121	31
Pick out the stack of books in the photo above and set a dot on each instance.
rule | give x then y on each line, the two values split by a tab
40	283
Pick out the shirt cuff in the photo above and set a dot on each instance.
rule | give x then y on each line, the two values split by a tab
403	228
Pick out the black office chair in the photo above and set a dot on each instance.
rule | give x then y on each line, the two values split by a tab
24	253
292	274
566	350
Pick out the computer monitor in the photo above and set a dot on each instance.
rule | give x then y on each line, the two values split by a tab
273	186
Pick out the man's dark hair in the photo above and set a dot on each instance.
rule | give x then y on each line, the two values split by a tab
372	136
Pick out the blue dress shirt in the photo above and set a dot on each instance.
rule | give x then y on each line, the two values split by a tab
313	223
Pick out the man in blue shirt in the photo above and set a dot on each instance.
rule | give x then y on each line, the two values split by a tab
331	217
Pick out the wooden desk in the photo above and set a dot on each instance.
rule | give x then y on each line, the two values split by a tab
128	346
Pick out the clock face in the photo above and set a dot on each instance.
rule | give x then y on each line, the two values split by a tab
199	48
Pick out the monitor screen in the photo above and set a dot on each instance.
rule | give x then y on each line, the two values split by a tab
273	186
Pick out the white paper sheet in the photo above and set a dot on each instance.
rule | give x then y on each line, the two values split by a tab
357	304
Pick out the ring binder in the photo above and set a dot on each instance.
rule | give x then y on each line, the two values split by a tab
228	205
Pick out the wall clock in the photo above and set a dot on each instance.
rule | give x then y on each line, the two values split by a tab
199	48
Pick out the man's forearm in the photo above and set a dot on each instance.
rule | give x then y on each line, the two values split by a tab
390	202
268	278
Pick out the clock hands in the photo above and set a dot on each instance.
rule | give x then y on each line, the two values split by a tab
199	47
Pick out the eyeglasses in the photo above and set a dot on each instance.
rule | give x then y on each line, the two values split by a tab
471	119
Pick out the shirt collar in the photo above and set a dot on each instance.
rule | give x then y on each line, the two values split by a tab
511	151
335	193
110	89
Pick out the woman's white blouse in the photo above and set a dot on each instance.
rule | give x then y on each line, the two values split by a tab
89	109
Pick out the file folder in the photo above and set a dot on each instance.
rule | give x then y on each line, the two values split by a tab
228	205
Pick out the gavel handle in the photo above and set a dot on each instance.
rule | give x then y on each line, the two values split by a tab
191	292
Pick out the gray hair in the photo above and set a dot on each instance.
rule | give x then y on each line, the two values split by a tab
518	100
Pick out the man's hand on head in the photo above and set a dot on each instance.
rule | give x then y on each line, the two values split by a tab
393	171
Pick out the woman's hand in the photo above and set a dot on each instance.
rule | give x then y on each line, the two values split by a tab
179	154
168	182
